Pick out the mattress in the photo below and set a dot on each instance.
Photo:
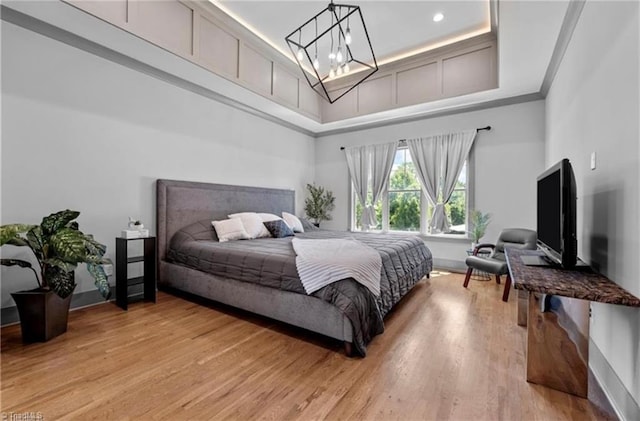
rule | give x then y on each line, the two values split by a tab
271	262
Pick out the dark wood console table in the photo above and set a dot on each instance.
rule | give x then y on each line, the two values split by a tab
558	345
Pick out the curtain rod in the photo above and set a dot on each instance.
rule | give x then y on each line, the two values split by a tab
487	128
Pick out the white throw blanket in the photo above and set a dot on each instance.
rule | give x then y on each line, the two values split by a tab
322	262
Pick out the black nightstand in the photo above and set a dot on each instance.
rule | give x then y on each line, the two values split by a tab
124	282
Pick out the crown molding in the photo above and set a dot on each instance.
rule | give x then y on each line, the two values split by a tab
25	21
571	18
572	15
501	102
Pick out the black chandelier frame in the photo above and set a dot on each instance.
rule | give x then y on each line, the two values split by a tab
294	42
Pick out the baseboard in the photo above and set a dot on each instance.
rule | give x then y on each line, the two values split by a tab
624	405
450	265
9	315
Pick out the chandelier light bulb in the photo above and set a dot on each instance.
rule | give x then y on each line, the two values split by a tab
346	67
339	55
339	70
347	36
332	73
316	63
332	55
300	54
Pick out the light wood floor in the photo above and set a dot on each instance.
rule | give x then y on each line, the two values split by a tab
448	353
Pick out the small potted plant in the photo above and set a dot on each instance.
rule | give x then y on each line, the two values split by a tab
319	204
479	222
58	246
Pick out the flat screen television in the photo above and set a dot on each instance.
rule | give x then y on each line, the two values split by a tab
557	214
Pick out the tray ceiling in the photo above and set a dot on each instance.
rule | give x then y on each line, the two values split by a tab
397	28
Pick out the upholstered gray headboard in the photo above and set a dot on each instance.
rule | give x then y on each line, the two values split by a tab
182	203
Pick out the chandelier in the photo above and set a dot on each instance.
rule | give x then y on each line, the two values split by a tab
331	45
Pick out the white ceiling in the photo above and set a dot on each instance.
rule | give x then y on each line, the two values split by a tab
395	27
527	33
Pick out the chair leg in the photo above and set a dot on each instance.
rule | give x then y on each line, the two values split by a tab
507	287
467	277
498	279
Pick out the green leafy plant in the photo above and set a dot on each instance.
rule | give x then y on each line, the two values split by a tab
59	246
319	203
479	222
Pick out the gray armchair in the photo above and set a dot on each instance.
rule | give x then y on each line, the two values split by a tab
496	263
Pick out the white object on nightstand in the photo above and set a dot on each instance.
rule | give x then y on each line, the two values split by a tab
130	234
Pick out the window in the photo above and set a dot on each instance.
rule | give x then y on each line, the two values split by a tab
404	194
456	209
405	207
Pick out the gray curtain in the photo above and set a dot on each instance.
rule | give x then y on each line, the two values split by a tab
424	153
370	166
439	160
382	157
358	162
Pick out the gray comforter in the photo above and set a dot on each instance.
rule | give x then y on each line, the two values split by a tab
271	262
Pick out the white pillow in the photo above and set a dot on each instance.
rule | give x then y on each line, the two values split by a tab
293	221
252	224
266	217
229	230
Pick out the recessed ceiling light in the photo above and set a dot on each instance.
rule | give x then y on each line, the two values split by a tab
438	17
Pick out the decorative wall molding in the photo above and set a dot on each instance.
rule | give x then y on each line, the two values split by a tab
43	28
204	35
457	69
208	37
307	99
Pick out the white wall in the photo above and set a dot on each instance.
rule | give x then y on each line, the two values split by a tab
593	106
84	133
507	161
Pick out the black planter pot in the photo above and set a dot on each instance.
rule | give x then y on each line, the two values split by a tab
43	314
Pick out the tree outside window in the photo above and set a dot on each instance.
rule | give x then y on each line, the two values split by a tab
404	194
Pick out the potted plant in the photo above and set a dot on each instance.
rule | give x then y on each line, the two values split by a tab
319	203
479	222
58	246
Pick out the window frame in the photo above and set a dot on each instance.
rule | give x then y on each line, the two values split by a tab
424	206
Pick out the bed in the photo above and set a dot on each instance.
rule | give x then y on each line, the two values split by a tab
259	275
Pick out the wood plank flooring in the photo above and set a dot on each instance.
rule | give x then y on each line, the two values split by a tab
448	353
